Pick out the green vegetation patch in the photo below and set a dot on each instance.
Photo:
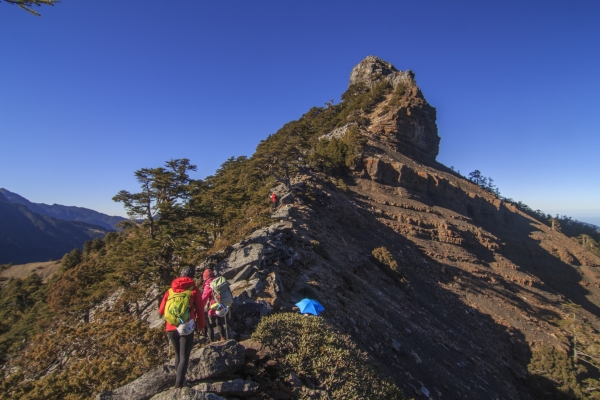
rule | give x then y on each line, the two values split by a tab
86	358
553	375
387	262
309	347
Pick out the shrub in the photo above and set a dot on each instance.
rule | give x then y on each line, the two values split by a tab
553	375
384	258
340	184
337	155
309	347
93	357
398	93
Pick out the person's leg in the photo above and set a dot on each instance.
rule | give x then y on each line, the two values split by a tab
185	347
219	323
174	338
226	324
211	327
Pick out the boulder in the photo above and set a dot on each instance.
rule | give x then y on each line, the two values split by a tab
254	287
243	274
282	213
236	387
186	393
255	351
246	316
284	227
145	386
287	199
215	360
258	236
247	255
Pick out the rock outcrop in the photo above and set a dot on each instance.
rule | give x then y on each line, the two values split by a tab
405	122
215	360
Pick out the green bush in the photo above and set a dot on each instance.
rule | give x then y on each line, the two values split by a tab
309	347
386	260
553	375
399	92
337	155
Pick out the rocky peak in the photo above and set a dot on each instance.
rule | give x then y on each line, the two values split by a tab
403	122
372	69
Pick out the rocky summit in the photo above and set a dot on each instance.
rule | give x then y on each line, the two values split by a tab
405	121
441	286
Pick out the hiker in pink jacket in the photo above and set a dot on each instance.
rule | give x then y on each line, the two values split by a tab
214	321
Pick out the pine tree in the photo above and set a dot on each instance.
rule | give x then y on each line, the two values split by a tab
26	4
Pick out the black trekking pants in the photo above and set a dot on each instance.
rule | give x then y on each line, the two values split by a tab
183	348
220	323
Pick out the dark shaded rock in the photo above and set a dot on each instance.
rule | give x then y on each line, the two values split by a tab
251	288
145	386
236	387
287	199
215	360
254	350
245	317
284	227
186	393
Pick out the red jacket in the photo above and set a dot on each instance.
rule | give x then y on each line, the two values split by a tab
207	296
273	197
196	303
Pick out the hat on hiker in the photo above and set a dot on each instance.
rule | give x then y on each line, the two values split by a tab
207	274
188	271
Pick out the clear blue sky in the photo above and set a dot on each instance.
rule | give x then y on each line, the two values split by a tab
94	90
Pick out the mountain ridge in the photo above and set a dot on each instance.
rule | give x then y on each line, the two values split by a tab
69	213
452	291
26	236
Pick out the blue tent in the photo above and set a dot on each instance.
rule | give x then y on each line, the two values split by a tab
308	306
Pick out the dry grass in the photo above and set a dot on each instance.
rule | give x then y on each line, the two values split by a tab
45	270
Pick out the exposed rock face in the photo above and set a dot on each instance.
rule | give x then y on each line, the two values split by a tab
370	70
186	393
236	387
404	121
145	386
216	360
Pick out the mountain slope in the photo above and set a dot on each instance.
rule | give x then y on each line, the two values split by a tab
26	236
451	290
68	213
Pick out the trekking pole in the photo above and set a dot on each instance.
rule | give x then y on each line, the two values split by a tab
227	325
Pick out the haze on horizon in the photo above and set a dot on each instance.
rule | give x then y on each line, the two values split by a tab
92	92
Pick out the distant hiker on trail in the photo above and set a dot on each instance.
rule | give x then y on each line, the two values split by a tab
182	307
217	311
274	200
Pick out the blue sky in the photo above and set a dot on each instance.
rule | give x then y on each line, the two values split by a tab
92	91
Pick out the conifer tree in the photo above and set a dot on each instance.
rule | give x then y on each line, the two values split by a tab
26	4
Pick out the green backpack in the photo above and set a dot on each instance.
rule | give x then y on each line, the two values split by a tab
177	309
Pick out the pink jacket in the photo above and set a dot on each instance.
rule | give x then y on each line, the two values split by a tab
207	296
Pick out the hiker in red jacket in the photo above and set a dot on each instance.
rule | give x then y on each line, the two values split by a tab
183	343
214	321
274	200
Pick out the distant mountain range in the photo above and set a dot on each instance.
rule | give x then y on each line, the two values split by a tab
32	232
68	213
